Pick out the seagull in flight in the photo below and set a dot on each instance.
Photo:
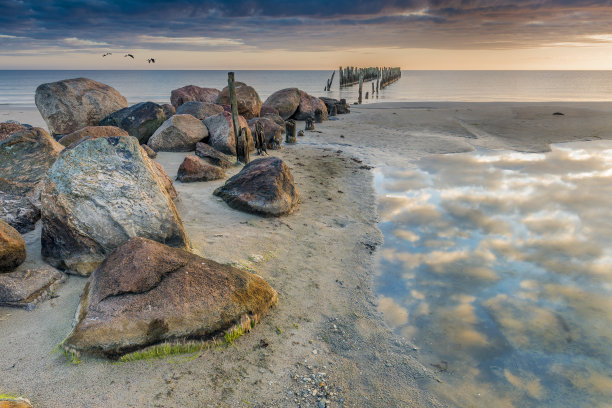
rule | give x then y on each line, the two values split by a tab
151	60
129	55
108	53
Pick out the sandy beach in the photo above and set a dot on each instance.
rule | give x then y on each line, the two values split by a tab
321	260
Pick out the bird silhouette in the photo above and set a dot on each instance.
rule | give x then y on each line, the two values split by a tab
151	60
108	53
129	55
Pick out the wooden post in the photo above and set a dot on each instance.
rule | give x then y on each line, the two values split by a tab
260	139
290	131
360	86
309	124
234	105
242	147
367	94
372	89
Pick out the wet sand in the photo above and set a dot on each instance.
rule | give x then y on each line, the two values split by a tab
321	260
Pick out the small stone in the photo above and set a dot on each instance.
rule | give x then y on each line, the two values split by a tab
12	248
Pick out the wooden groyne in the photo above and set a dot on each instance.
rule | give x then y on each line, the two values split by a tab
384	76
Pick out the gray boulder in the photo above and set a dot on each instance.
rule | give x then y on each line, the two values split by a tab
146	293
307	107
25	158
71	104
12	248
214	157
221	130
180	133
200	110
285	101
140	120
264	186
99	194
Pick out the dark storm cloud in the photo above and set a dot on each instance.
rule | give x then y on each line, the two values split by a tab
302	25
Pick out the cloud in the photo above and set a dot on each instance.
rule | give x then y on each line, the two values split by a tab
195	41
85	43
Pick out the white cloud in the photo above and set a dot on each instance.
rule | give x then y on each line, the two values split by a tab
77	42
207	41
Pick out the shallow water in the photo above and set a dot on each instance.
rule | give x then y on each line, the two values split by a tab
497	265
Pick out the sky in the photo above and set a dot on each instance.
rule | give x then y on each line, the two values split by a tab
306	34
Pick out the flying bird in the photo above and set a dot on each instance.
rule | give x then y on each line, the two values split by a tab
129	55
151	60
108	53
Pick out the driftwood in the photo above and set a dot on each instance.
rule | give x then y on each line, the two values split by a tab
242	147
309	124
260	139
290	131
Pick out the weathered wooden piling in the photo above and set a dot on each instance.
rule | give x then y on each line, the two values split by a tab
383	76
360	87
234	106
309	124
290	131
329	82
242	147
260	139
389	76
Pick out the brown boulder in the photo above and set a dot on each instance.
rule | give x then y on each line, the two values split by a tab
193	168
93	132
25	288
193	93
264	186
268	110
6	402
146	293
12	248
285	101
247	99
7	129
150	152
213	156
71	104
307	107
25	158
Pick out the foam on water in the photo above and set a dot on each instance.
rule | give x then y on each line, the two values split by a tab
498	265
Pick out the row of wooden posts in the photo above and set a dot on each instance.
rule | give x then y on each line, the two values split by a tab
352	75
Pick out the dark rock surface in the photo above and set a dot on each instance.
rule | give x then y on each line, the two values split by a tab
18	212
214	157
272	131
25	288
140	120
341	106
264	186
146	293
194	168
71	104
7	129
12	248
307	107
98	195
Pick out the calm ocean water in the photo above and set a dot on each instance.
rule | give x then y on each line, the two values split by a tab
17	87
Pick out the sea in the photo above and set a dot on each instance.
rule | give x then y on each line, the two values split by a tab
17	87
496	266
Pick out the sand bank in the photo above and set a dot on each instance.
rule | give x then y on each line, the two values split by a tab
321	260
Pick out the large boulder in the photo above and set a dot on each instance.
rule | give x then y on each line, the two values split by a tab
7	129
18	212
99	194
221	130
214	157
180	133
193	93
27	287
247	100
12	248
264	186
71	104
307	107
166	180
93	132
140	120
194	168
200	110
272	132
285	101
146	293
25	158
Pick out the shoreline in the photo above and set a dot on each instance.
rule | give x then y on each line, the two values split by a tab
321	260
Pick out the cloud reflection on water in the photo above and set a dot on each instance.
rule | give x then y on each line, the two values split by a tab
501	263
